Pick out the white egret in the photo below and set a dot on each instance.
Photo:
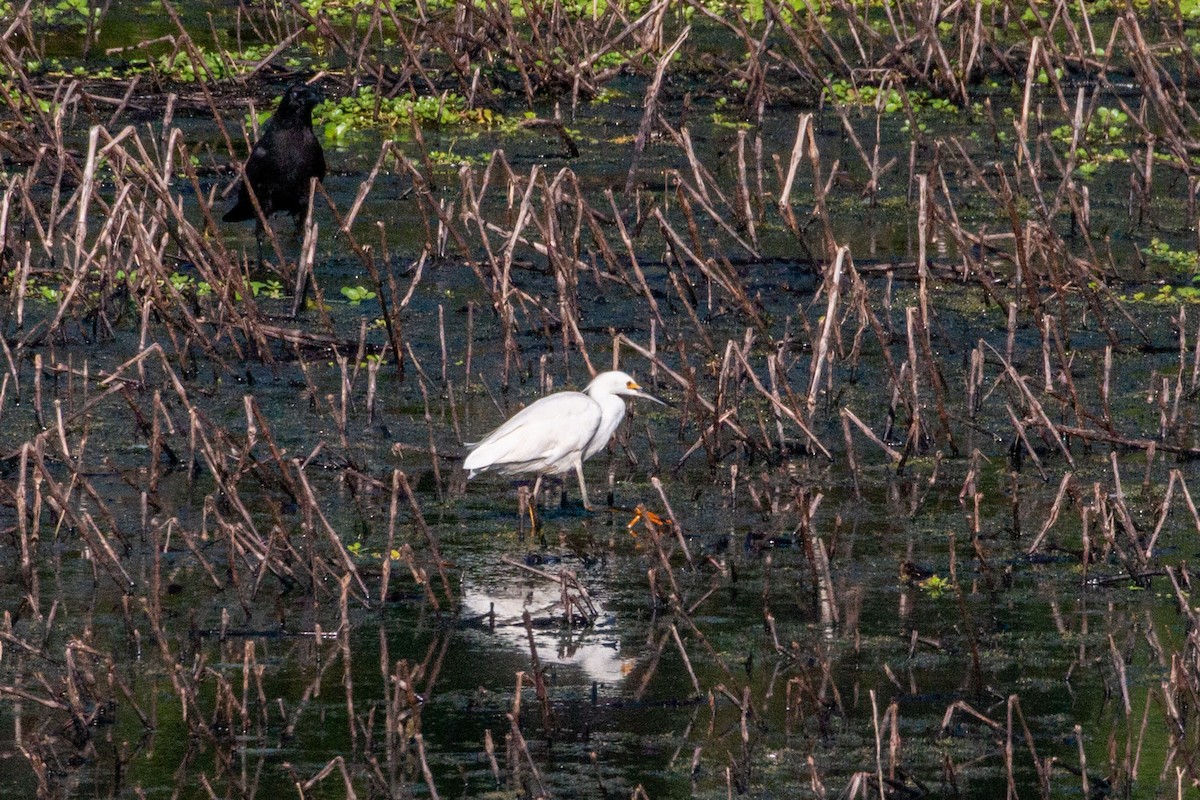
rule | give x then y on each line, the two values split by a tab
557	432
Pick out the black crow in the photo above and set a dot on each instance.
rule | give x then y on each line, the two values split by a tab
285	157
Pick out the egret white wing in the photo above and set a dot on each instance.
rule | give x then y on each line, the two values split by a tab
546	436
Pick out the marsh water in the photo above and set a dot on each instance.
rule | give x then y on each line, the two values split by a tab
241	559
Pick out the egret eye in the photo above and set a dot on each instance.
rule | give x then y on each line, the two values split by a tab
632	385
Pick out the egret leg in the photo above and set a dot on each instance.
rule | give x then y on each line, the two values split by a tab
582	484
533	504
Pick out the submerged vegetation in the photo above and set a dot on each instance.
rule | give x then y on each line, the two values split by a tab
920	279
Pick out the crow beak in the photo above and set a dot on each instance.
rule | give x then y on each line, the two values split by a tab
312	94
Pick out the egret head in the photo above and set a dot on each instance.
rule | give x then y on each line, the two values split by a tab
621	383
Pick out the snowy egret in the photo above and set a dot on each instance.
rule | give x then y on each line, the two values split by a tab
557	432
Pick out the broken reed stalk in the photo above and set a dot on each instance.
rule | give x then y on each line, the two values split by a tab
539	678
650	111
428	535
832	284
575	598
518	749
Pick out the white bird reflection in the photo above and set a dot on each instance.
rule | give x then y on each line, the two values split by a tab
596	650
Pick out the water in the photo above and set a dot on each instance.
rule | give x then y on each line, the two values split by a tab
229	665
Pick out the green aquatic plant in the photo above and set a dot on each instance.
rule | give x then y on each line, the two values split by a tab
1167	295
356	294
790	12
180	66
935	586
723	118
367	110
343	11
184	283
1043	77
844	92
1160	252
892	101
448	158
1110	121
1097	145
59	13
1107	125
1091	160
604	96
270	289
613	58
1182	263
74	68
372	359
17	99
358	550
579	9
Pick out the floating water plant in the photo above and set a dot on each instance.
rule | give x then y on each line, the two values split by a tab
181	66
356	294
184	283
1161	252
893	101
271	289
368	110
1167	294
935	586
